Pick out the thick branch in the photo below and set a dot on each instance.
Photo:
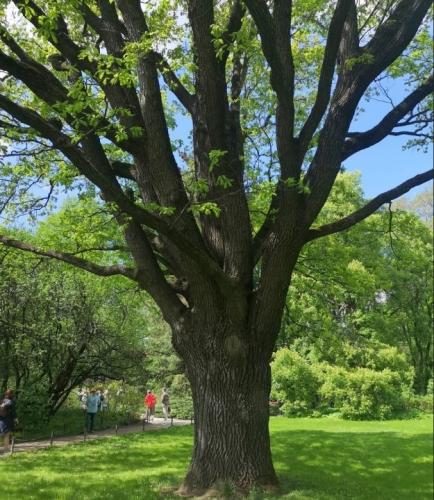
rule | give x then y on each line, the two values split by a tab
123	169
113	192
396	33
47	87
233	26
70	259
149	274
118	96
327	71
362	140
163	172
265	24
353	81
369	208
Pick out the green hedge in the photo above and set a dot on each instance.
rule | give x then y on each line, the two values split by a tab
357	393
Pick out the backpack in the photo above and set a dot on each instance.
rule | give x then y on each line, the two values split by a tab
4	410
165	399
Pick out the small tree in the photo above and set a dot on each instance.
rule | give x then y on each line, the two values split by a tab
82	91
60	328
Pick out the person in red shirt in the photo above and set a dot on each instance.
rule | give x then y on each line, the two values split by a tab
150	401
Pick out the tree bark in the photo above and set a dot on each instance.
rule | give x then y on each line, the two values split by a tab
231	380
422	374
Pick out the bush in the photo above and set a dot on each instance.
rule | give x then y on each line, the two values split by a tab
274	408
32	406
423	404
125	399
295	382
295	408
357	393
363	394
181	402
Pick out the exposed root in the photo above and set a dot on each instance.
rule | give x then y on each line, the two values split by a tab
223	490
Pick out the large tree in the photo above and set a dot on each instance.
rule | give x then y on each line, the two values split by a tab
87	92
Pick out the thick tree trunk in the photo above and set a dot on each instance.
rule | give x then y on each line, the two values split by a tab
230	380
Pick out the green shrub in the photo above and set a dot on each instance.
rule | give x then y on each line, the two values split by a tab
294	382
423	404
274	408
333	386
32	406
295	408
125	399
363	393
357	393
181	402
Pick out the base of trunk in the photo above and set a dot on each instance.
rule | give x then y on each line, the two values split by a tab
224	490
231	454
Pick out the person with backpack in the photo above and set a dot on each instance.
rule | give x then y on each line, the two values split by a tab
165	402
92	403
8	417
150	401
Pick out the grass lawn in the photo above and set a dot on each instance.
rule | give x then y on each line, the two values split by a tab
315	459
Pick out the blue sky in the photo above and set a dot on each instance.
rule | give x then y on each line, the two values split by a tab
385	165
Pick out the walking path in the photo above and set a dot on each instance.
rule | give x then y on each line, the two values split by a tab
158	423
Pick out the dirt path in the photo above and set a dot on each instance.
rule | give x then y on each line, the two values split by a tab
158	423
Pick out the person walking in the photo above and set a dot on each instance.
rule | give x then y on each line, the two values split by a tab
103	395
92	403
8	417
150	401
165	403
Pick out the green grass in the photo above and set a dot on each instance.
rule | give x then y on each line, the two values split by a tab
320	459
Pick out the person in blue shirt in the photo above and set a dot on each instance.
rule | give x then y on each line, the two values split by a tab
8	417
92	402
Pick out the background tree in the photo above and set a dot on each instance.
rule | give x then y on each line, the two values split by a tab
365	289
60	329
83	104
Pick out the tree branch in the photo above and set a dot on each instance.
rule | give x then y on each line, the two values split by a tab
163	170
70	259
118	96
174	84
361	140
353	81
233	26
123	169
265	24
369	208
395	34
327	71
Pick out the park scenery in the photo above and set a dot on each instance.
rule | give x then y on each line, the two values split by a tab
216	272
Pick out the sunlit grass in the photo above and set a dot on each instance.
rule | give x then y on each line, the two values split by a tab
315	459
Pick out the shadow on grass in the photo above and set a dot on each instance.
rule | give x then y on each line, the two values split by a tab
318	465
374	465
142	465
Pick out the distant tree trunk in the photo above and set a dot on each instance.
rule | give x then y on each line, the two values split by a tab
422	374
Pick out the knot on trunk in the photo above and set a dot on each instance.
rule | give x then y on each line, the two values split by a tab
236	348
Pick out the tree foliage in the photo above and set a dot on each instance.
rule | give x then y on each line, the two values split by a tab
358	290
61	328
